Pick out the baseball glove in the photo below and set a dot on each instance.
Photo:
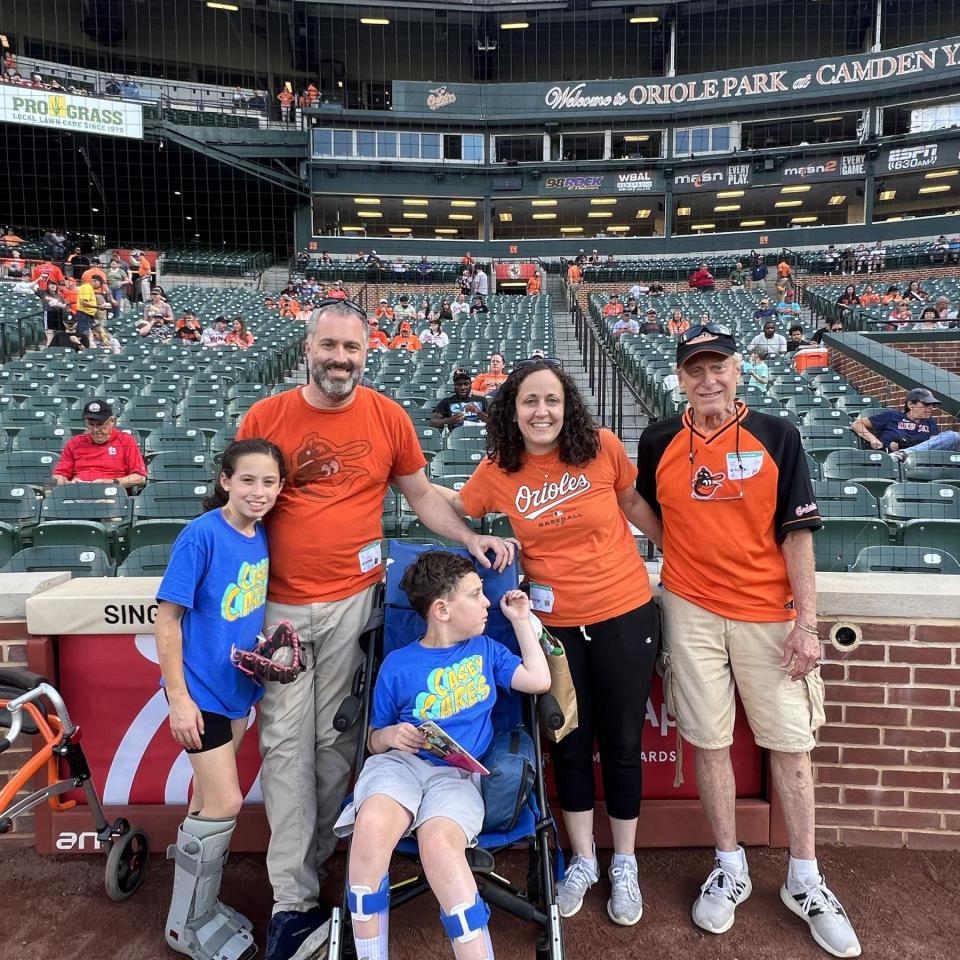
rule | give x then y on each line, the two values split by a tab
277	657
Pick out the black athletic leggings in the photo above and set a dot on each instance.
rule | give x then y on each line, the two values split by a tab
611	673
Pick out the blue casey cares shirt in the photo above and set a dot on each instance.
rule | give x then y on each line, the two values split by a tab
220	576
456	687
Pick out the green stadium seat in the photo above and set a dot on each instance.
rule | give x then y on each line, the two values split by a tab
873	468
932	534
844	499
147	533
33	467
901	502
182	465
932	465
838	543
79	561
900	559
455	461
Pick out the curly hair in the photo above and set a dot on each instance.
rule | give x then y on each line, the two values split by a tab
579	440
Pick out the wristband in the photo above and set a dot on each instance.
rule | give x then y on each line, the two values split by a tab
807	628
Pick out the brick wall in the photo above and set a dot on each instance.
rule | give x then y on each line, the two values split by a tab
887	764
941	353
13	653
872	384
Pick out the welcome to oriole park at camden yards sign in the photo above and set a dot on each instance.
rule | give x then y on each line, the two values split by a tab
63	111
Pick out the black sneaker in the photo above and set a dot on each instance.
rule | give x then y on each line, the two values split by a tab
299	936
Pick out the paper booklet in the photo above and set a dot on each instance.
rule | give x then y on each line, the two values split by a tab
442	745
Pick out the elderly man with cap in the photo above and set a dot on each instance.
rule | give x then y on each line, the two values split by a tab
103	454
614	308
913	429
406	339
460	407
740	614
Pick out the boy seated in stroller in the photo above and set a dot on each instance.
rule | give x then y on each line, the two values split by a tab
448	676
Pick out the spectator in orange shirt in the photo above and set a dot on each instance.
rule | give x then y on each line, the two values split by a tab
533	285
44	272
869	297
487	384
677	324
239	336
384	311
376	338
96	271
574	276
144	275
892	295
614	308
337	291
406	339
286	103
288	307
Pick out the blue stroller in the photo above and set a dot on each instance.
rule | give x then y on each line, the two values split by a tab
393	627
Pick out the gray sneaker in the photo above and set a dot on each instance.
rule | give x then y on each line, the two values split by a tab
625	905
578	879
720	895
828	921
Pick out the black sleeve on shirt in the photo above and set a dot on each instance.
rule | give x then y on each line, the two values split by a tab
653	442
443	408
781	440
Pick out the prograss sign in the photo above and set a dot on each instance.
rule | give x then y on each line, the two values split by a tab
62	111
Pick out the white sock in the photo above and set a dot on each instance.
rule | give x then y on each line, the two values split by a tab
801	874
375	948
621	858
734	861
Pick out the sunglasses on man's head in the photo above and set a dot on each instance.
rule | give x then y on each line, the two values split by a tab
532	361
337	302
698	329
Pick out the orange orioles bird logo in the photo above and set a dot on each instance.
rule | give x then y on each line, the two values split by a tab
706	484
324	470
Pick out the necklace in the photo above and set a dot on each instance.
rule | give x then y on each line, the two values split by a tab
550	466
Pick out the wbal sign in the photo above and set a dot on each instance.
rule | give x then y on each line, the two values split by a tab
63	111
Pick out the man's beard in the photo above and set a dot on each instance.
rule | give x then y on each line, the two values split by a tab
335	389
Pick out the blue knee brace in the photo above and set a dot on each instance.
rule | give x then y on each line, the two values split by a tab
466	921
364	903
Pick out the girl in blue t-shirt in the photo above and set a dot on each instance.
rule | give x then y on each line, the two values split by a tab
212	598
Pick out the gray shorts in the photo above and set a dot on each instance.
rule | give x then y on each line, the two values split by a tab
423	788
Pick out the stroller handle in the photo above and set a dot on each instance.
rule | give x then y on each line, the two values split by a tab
16	717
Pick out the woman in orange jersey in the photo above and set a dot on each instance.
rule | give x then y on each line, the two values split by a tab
568	488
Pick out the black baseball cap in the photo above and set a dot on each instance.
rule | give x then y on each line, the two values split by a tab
705	340
922	395
462	375
97	410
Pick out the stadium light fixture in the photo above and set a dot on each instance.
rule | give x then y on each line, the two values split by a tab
229	7
725	194
399	229
703	226
935	188
618	229
684	211
375	21
887	194
798	188
414	202
893	219
408	215
177	193
940	174
600	214
353	229
445	230
806	219
789	203
636	138
603	202
459	216
571	229
372	201
644	19
505	217
827	119
517	25
837	199
643	214
544	216
370	214
188	218
753	223
463	203
726	207
543	203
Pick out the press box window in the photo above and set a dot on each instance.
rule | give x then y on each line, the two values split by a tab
695	141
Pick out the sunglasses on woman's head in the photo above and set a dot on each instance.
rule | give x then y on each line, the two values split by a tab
532	361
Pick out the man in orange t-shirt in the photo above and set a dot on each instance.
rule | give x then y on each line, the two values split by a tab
533	285
343	445
574	275
406	339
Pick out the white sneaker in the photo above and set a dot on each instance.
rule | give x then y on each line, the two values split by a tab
625	905
722	892
828	921
581	875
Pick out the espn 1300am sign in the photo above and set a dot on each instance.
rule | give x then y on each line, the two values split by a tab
63	111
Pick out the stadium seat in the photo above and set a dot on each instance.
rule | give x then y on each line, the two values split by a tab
932	465
33	467
148	561
872	468
932	534
899	559
920	501
179	464
844	499
838	543
79	561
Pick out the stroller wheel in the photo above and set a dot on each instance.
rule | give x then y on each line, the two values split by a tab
127	864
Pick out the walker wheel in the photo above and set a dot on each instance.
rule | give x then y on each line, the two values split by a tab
127	864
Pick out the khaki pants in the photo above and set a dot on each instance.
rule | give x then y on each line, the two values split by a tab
306	763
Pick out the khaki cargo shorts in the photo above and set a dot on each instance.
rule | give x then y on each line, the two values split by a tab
707	657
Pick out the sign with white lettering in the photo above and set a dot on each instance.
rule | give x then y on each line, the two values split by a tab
64	111
823	168
919	156
935	66
718	176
